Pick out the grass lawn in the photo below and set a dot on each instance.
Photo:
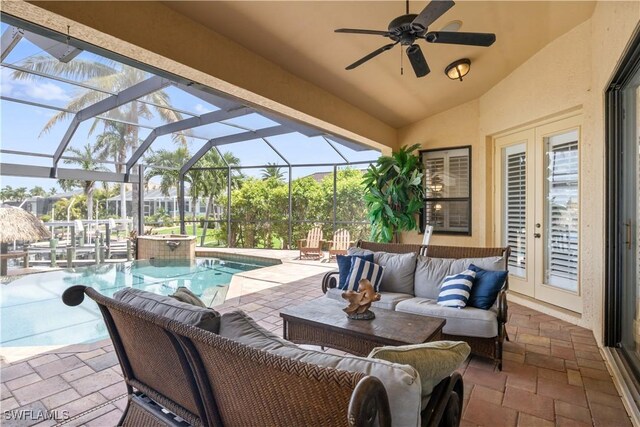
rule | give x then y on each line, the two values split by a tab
211	241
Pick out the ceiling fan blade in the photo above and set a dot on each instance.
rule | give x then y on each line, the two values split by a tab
470	39
434	10
418	62
371	55
358	31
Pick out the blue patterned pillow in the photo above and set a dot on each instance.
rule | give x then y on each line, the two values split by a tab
361	269
455	289
344	266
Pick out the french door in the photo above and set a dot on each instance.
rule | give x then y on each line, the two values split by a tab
537	210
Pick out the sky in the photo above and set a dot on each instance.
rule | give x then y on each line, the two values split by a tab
21	126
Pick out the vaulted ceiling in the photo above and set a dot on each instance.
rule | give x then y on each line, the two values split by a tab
299	37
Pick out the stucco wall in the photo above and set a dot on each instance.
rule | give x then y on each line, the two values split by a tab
152	33
571	72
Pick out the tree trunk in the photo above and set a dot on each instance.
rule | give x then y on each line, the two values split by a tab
135	190
89	194
121	158
123	201
193	214
206	220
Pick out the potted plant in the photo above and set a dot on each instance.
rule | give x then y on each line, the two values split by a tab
393	194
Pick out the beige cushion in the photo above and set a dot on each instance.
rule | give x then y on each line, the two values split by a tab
358	251
161	305
400	381
238	326
468	321
430	272
434	361
388	300
185	295
398	271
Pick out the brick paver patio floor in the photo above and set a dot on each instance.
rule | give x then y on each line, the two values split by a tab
553	372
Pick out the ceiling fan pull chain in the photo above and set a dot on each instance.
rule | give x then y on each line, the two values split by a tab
401	63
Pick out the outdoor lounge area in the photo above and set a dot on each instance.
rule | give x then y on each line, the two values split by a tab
552	372
354	213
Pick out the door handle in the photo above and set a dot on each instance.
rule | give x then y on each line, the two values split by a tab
537	235
627	242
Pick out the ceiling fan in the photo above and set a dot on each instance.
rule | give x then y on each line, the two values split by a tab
408	28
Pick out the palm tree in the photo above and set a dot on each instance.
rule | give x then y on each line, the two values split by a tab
37	191
109	76
87	158
20	194
114	143
272	171
170	163
214	181
6	193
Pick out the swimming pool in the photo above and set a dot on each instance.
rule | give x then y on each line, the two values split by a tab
32	312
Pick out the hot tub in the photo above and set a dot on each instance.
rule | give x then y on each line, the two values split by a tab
166	246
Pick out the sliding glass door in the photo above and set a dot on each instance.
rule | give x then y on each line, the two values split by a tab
627	226
622	305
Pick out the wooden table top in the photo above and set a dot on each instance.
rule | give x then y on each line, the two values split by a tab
391	326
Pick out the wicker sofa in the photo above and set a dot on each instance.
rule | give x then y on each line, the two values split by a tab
484	341
245	376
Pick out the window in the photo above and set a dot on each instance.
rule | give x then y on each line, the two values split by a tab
447	185
561	210
514	158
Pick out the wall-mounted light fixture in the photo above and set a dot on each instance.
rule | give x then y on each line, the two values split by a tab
458	69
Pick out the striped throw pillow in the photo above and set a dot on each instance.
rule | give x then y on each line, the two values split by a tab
361	269
455	289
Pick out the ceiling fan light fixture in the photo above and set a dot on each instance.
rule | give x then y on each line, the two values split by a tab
452	26
458	69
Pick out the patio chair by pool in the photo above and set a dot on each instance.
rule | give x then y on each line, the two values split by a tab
340	243
311	247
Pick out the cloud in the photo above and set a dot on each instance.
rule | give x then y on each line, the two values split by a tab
46	91
201	109
33	89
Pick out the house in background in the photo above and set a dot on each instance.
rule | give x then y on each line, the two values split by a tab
155	202
40	206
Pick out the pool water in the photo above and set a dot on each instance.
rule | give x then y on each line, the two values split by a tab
32	312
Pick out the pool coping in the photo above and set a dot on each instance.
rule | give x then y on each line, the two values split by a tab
238	257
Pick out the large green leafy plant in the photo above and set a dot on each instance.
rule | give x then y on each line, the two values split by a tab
393	194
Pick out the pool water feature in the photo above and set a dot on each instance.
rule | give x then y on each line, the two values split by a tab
32	312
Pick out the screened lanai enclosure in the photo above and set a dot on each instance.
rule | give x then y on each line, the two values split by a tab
110	131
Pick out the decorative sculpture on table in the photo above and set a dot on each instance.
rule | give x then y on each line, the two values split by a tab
360	301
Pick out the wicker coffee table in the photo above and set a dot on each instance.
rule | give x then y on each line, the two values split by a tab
322	322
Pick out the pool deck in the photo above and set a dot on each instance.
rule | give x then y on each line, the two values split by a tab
553	373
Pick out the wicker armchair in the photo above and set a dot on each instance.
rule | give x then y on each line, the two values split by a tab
208	380
486	347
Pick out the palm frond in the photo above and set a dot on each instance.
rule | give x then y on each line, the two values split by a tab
78	69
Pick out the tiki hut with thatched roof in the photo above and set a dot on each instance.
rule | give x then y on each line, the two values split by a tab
16	224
